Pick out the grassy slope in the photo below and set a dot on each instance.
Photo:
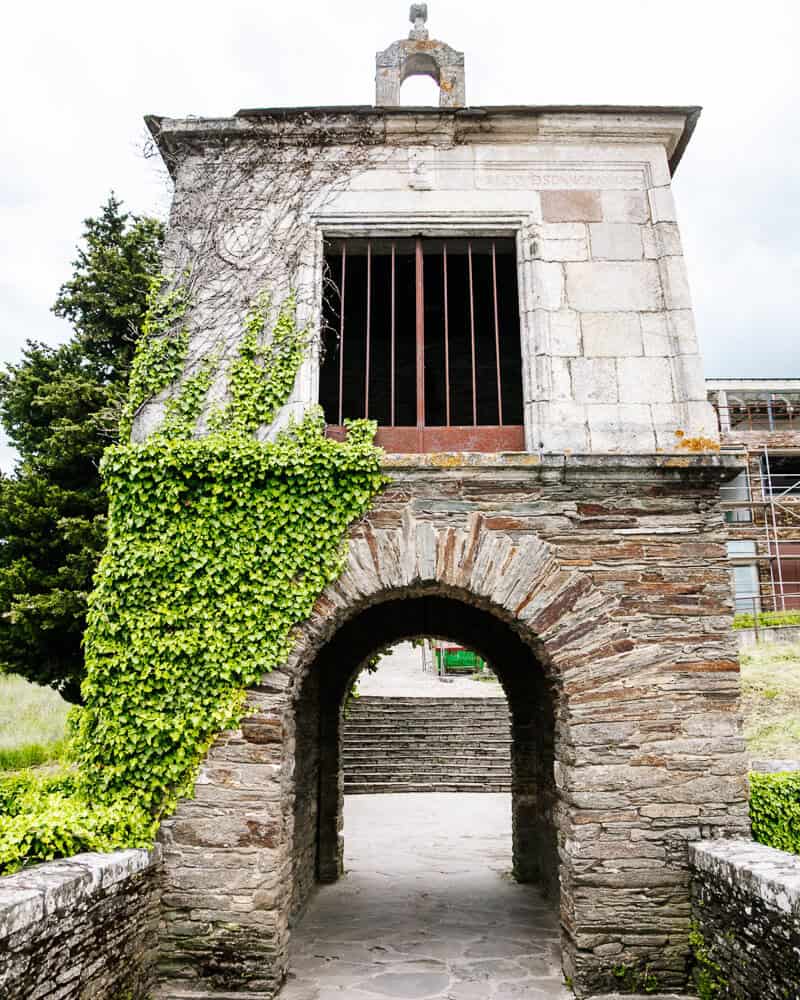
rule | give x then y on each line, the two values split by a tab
32	722
771	700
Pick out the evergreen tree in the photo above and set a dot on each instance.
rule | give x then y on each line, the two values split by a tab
59	407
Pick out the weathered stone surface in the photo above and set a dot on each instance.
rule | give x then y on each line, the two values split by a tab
571	206
645	380
615	241
611	334
82	927
620	673
594	380
602	286
746	904
625	206
418	55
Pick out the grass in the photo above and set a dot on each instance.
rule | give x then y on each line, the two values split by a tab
771	700
32	723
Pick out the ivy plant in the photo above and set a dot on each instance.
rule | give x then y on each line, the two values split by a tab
217	547
775	809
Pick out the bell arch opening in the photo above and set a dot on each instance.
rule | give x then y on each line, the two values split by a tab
420	90
318	709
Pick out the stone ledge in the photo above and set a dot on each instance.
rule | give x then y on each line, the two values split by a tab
707	465
35	893
774	766
770	875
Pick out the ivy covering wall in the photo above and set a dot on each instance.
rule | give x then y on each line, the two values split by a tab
218	545
775	809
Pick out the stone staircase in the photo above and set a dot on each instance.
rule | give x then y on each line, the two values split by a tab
427	745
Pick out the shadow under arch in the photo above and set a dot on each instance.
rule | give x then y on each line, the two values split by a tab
532	699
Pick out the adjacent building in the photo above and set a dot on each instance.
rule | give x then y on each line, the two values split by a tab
759	420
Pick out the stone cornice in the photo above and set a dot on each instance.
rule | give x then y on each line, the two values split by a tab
694	466
670	127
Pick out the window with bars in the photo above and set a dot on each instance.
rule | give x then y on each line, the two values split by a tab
422	335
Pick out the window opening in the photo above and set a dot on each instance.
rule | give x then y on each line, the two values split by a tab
422	335
781	475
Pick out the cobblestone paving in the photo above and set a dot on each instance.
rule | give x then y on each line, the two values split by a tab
427	909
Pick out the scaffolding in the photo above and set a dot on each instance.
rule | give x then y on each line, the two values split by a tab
765	503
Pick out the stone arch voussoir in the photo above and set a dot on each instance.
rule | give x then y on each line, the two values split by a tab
519	579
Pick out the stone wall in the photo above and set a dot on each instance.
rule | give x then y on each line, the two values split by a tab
80	928
603	581
746	907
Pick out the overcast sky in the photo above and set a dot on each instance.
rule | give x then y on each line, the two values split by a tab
77	77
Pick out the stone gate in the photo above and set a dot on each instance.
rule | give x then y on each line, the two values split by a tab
552	501
598	588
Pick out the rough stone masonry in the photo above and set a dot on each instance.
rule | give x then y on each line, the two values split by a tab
80	928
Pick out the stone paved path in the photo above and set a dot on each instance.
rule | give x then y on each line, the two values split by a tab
400	674
427	909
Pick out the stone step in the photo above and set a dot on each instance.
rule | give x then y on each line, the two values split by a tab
440	717
428	729
379	787
426	744
427	739
432	712
397	759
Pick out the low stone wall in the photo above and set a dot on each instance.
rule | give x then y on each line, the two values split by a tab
774	766
79	928
746	908
748	637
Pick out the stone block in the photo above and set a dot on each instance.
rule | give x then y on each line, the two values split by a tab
561	241
687	374
675	283
563	428
676	423
571	206
611	334
602	286
547	285
662	205
669	333
557	333
615	241
594	380
625	206
645	380
560	381
662	240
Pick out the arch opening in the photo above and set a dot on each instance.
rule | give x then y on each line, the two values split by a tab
532	705
420	91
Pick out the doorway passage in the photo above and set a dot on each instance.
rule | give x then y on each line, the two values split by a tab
427	908
436	894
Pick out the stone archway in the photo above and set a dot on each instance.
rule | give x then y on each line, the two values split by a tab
532	706
243	855
240	853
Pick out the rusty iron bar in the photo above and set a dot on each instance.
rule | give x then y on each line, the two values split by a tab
497	337
446	339
391	377
341	334
420	334
369	310
472	335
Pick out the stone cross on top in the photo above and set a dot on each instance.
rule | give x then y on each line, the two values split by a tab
418	16
418	55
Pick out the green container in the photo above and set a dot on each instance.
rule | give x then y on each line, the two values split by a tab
459	661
